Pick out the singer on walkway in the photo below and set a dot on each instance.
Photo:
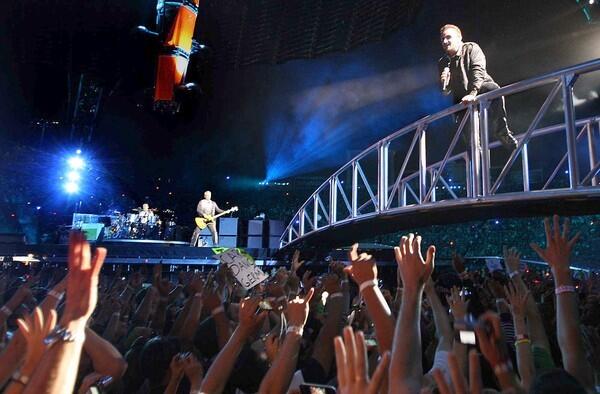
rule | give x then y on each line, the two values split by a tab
463	74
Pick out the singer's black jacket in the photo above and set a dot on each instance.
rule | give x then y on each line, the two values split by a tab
467	71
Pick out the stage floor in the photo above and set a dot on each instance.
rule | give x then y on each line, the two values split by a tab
136	251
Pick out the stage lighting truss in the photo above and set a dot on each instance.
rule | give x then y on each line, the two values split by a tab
176	22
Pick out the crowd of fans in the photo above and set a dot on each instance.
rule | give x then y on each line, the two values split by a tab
517	330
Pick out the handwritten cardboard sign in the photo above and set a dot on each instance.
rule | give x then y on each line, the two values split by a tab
248	274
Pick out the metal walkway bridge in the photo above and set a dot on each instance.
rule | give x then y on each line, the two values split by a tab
438	170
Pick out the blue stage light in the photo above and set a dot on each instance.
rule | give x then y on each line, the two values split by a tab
71	187
74	176
76	162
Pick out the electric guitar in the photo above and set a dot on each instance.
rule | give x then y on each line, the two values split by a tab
204	220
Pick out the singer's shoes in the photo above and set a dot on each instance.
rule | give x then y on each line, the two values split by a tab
505	136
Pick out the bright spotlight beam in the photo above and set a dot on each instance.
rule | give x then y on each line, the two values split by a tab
76	163
71	187
73	176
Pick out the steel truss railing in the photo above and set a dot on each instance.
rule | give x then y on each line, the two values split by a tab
369	185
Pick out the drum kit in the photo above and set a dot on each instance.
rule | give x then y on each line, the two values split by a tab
143	224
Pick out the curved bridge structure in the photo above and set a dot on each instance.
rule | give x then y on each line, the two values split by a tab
444	168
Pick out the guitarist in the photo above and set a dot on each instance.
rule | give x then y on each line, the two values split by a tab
206	206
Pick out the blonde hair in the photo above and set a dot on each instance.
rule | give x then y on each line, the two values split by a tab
448	26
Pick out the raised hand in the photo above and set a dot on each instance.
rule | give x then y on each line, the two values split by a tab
458	262
296	262
512	259
35	328
517	297
363	267
352	365
197	283
413	269
558	245
82	279
459	385
458	304
490	338
193	370
250	321
298	309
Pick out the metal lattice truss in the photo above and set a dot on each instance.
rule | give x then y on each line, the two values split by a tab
393	175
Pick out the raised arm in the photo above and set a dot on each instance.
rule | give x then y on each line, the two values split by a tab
279	376
557	254
221	368
106	359
443	329
406	370
337	304
518	306
57	370
535	323
363	270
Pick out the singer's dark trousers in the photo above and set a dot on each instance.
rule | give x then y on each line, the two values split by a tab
496	114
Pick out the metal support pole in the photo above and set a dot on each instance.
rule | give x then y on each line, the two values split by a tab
422	165
433	174
354	191
333	200
485	150
475	172
402	194
382	176
525	165
315	211
567	90
592	151
301	224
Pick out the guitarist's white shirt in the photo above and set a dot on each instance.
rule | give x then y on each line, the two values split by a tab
208	207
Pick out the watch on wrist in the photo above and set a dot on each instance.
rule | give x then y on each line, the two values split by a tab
63	335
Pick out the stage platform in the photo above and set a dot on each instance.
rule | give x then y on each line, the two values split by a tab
136	251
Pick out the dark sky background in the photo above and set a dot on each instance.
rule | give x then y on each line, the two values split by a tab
261	121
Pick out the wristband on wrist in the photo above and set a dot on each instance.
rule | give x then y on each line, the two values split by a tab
522	341
364	285
564	289
502	368
217	310
6	310
281	298
295	329
345	281
17	377
513	274
521	336
336	295
55	294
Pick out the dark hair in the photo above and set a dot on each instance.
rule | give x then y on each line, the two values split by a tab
156	356
556	381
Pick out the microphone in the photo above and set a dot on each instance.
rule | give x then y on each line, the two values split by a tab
446	81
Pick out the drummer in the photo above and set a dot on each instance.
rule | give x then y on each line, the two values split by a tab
146	215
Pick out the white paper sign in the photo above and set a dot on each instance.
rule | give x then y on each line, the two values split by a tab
248	274
494	265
